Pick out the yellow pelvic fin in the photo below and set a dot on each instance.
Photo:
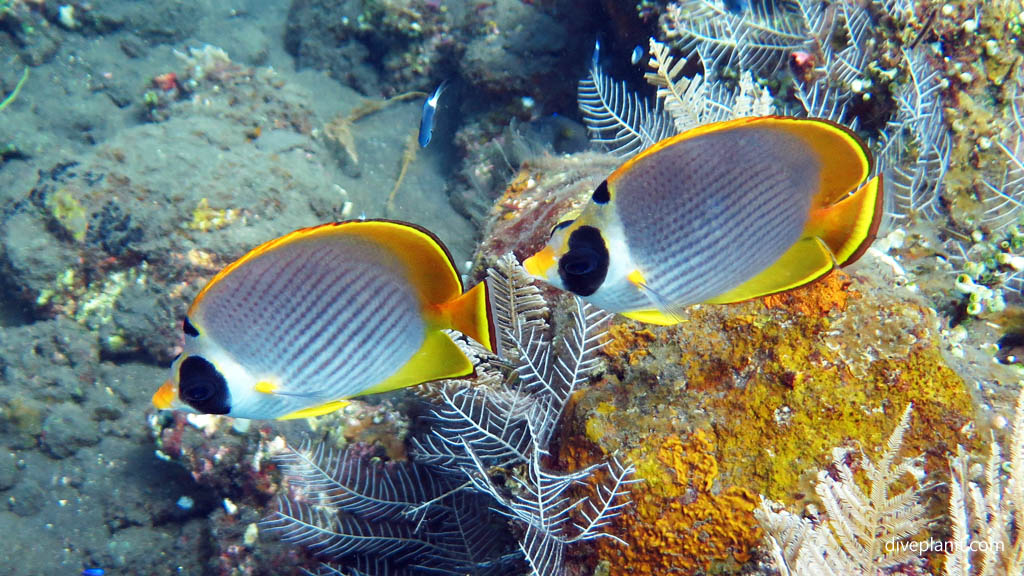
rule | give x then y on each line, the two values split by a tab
438	358
654	317
804	262
848	227
470	314
325	408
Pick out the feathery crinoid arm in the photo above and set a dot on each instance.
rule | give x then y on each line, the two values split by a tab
491	419
693	102
862	533
496	434
516	304
347	482
760	38
620	121
1003	195
986	509
558	509
577	360
916	182
798	546
873	528
366	517
333	536
683	98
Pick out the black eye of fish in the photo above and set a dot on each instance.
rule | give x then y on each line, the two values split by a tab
188	328
579	262
202	387
560	225
584	267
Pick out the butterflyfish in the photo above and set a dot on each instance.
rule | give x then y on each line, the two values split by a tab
301	323
722	213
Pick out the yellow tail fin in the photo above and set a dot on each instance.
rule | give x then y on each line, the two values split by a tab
848	227
470	314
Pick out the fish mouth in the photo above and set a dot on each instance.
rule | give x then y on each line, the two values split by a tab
163	398
540	263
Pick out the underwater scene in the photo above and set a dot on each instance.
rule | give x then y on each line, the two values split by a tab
512	287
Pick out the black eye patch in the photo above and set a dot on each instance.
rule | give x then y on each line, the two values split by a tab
188	328
202	387
584	267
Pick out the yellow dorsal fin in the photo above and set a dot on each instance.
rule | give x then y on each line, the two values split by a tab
848	227
470	314
438	358
430	266
325	408
806	261
844	158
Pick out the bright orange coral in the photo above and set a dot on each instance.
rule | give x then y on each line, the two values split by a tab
679	523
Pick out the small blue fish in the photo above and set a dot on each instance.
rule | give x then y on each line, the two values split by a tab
737	6
93	572
429	109
638	54
597	53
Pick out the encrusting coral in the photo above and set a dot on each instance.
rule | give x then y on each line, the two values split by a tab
682	520
765	389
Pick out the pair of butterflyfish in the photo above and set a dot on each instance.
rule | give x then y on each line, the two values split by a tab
722	213
301	323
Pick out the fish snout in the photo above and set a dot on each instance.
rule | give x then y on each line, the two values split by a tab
164	397
542	264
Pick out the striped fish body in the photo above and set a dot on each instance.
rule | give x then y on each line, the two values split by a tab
332	316
320	315
722	213
702	217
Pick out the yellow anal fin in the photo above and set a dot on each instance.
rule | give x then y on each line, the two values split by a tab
804	262
320	410
653	317
438	358
848	227
470	314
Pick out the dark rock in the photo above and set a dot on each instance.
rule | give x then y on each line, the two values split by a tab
153	22
51	361
122	239
322	34
532	50
9	472
66	429
26	499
